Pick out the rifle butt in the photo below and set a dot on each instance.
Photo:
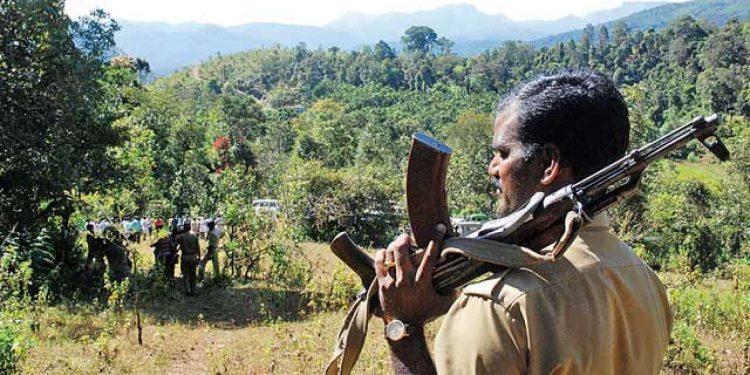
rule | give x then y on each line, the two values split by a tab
354	257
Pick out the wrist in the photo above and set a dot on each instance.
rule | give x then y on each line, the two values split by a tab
397	330
414	338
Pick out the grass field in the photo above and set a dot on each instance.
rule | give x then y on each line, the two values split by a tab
254	328
709	174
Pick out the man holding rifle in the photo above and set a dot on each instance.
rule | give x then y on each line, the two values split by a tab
597	310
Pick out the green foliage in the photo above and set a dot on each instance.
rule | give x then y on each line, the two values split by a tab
326	134
57	122
687	353
706	309
681	223
9	356
324	202
718	312
419	39
27	264
469	188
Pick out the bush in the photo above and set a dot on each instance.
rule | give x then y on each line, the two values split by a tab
26	262
686	353
683	225
8	358
360	201
706	307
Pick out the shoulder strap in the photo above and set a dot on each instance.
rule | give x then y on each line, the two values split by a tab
351	338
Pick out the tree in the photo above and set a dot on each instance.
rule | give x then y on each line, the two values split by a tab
445	45
383	51
245	122
725	48
620	33
586	37
468	185
603	37
326	135
684	34
419	39
56	124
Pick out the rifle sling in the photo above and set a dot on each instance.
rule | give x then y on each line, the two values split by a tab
351	338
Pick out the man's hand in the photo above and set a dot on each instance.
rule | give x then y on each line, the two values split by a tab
405	283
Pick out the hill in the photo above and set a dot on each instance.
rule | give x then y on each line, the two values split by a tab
715	12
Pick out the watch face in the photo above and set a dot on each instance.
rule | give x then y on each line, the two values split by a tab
395	330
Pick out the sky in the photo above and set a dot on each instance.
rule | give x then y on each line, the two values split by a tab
318	12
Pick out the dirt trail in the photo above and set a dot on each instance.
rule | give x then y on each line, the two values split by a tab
198	349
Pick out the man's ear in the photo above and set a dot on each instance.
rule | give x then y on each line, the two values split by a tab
551	164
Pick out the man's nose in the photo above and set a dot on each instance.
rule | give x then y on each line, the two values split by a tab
493	166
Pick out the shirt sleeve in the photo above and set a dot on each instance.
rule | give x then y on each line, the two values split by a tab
479	336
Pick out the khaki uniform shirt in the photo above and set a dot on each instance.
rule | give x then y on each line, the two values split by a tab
598	310
188	243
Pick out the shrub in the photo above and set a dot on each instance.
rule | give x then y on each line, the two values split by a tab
687	353
8	358
681	224
360	201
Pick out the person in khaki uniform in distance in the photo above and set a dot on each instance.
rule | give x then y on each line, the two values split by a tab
188	244
212	253
597	310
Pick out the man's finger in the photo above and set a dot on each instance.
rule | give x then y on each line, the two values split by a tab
404	267
389	261
424	272
381	271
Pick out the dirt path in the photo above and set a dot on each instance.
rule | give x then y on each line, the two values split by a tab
198	350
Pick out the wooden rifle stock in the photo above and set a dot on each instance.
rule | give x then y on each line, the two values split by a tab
354	257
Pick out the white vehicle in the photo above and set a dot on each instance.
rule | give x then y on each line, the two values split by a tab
462	227
267	205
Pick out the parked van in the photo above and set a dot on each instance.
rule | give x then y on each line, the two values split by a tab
266	205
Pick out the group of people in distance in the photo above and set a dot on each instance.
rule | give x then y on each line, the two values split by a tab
108	239
185	239
134	229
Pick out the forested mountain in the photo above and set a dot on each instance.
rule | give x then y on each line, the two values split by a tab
169	47
715	12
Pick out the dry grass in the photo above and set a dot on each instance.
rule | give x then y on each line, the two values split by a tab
250	328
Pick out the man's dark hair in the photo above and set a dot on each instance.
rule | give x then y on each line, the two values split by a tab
211	225
580	112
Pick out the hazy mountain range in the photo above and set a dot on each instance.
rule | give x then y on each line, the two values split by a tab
171	47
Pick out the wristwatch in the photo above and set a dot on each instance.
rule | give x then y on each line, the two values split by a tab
396	330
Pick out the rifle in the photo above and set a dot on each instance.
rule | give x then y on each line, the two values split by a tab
574	204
